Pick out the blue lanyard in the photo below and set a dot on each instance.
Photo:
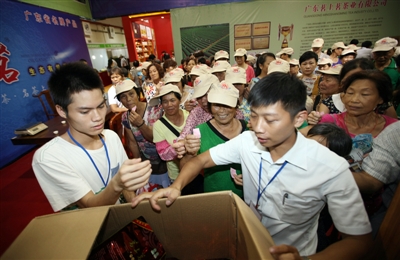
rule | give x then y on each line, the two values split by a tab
259	180
91	159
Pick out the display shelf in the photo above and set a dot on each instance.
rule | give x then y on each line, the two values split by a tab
144	47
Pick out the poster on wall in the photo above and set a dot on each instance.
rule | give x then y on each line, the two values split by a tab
143	32
86	28
149	34
26	63
261	28
260	43
244	43
136	30
242	30
209	39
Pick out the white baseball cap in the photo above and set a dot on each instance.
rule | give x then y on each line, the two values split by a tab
288	51
166	89
240	52
221	55
174	75
325	61
338	45
220	66
236	75
385	44
279	65
224	93
203	83
124	86
317	43
334	70
200	70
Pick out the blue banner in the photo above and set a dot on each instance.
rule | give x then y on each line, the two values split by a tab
105	9
34	41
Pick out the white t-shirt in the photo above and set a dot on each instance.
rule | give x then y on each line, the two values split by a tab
66	174
291	204
111	97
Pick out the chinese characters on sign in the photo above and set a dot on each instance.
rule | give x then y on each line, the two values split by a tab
345	6
8	75
60	21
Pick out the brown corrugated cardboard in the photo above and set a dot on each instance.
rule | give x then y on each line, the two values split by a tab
204	226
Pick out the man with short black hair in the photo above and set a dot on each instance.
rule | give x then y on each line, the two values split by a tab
87	166
365	51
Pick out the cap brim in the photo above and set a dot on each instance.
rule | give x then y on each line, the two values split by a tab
381	49
224	100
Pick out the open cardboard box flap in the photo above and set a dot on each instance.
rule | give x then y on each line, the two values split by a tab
203	226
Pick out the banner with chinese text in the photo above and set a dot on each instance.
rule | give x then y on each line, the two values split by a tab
33	42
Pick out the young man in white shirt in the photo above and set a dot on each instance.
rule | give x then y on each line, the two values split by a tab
87	166
286	177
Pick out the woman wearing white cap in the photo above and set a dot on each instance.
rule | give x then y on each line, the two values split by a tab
329	85
168	128
139	119
222	104
347	55
237	77
337	49
240	58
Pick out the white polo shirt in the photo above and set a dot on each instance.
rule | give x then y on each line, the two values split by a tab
290	205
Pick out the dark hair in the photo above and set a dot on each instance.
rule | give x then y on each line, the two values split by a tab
159	69
329	51
82	60
382	82
347	54
169	63
261	60
362	63
125	72
117	70
279	87
211	59
354	41
189	59
137	90
337	140
72	78
152	57
366	44
202	60
198	54
109	63
136	63
177	95
308	55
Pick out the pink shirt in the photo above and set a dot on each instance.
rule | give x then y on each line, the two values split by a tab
249	73
338	119
198	116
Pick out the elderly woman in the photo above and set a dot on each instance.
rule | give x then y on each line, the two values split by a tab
168	128
241	61
153	83
139	119
328	86
363	92
222	103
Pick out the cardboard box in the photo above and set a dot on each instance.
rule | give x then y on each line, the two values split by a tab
204	226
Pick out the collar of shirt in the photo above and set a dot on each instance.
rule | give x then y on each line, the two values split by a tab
297	155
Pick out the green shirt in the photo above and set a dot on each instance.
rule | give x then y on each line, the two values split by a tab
218	178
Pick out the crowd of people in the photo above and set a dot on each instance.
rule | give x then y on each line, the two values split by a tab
310	143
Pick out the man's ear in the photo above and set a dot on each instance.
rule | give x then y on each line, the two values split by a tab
300	118
61	111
